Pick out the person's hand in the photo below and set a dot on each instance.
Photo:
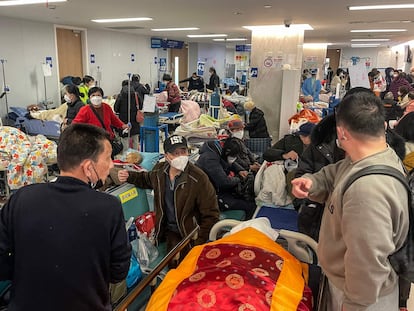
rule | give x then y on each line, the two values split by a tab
301	187
123	175
255	167
125	126
290	155
243	174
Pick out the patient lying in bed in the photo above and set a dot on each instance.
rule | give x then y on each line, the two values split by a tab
243	271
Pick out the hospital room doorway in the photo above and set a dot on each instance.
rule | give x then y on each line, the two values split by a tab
70	54
182	55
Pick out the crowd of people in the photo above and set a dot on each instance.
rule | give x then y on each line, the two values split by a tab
357	229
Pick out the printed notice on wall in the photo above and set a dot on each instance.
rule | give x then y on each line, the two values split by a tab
359	75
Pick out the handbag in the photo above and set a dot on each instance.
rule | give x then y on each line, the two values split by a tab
116	143
140	115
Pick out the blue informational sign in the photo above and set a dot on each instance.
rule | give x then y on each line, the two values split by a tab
243	48
163	64
253	72
158	43
92	58
132	57
200	68
49	61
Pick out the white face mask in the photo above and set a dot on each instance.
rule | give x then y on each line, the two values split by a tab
67	98
96	101
238	134
180	162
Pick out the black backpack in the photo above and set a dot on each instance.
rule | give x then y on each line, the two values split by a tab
402	260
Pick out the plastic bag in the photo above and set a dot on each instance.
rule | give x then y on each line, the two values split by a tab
146	251
134	272
146	224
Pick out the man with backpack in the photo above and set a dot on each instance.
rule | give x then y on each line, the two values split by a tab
365	223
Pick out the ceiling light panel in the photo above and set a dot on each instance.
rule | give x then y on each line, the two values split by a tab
378	30
369	40
175	29
26	2
122	20
381	7
207	36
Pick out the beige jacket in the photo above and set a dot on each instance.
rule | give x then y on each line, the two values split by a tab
360	230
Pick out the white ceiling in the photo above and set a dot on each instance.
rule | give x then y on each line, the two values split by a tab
330	19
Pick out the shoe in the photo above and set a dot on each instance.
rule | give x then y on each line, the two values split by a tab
403	309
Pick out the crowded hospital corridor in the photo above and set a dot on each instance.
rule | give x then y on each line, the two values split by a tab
185	155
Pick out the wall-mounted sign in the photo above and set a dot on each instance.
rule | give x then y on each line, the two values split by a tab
163	64
49	61
158	43
254	72
200	68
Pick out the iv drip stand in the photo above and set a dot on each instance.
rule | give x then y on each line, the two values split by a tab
5	90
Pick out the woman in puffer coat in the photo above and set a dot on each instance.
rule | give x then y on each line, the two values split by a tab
257	124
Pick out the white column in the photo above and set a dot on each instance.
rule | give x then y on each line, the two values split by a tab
271	49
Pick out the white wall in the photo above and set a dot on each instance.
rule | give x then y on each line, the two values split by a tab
214	55
377	58
113	55
25	45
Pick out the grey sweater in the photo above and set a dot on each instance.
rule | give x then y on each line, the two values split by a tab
360	230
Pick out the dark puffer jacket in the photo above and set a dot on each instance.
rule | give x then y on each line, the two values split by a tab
121	107
211	162
321	152
257	124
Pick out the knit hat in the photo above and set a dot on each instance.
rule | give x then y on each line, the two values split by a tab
174	142
249	105
235	124
305	129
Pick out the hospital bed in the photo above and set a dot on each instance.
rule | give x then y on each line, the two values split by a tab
248	262
23	121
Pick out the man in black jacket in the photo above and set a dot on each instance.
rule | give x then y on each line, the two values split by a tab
62	243
195	82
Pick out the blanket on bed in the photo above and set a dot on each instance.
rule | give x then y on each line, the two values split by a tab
24	157
243	271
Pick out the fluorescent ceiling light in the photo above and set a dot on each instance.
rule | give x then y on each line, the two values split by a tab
120	20
207	36
369	40
23	2
368	45
381	7
174	29
378	30
315	45
280	27
231	39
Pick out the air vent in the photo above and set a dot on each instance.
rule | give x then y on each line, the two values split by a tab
125	27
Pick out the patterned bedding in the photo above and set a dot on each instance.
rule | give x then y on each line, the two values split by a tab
24	157
243	271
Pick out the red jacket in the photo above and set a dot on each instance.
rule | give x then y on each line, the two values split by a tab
86	115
